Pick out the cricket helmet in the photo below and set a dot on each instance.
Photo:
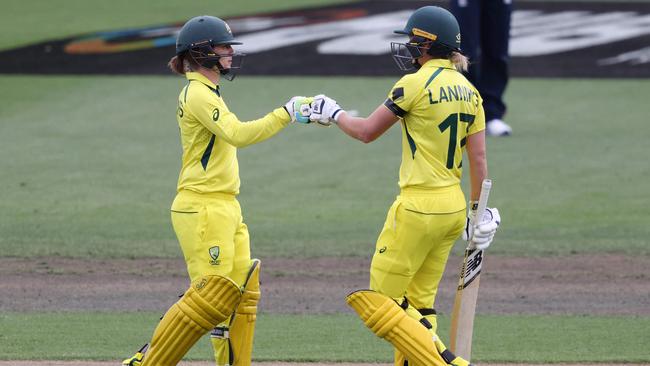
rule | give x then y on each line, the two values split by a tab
431	29
200	35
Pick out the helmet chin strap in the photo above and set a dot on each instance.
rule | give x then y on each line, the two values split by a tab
213	63
226	73
416	64
416	61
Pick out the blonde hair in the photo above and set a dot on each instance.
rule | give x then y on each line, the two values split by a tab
460	61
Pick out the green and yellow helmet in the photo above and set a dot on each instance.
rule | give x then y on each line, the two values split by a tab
200	35
435	24
431	29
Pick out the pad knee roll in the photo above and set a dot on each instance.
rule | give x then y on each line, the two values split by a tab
387	320
208	302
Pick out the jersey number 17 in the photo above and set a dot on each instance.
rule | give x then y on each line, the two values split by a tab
451	123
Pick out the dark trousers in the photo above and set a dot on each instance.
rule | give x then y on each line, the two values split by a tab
485	33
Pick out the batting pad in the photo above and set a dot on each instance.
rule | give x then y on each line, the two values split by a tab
220	338
400	359
387	320
209	301
236	347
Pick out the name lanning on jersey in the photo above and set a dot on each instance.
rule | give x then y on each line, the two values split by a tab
451	93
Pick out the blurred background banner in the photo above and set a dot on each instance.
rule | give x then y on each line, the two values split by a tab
556	39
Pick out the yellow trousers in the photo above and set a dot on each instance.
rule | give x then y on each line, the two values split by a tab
212	235
414	244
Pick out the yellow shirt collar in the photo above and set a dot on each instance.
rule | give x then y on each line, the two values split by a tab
438	62
201	78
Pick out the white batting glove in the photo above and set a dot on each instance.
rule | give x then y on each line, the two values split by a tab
299	108
325	110
482	233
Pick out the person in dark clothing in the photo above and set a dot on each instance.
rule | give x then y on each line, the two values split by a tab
485	33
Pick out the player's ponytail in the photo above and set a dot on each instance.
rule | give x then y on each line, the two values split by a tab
460	61
437	50
182	63
176	65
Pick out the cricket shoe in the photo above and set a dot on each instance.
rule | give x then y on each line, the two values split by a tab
136	359
496	127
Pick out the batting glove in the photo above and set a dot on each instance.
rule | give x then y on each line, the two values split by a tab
299	108
325	110
482	232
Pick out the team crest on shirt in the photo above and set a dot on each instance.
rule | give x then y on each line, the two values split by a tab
215	114
214	254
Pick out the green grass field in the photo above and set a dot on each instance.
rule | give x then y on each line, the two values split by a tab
526	339
94	162
89	166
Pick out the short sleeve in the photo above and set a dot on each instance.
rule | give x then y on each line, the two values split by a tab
400	98
479	120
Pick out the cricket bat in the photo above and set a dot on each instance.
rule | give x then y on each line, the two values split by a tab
462	315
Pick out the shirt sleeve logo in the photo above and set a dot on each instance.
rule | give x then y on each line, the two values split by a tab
398	93
215	114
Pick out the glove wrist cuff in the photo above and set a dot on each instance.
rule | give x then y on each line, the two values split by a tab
337	114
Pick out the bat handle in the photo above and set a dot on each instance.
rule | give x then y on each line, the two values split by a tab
486	185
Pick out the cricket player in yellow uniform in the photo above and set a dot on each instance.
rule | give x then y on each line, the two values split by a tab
205	214
441	115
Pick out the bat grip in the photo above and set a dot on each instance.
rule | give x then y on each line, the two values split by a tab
486	185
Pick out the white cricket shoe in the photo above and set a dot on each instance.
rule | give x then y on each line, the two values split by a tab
496	127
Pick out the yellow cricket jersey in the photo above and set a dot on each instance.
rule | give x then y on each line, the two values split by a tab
210	135
439	108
